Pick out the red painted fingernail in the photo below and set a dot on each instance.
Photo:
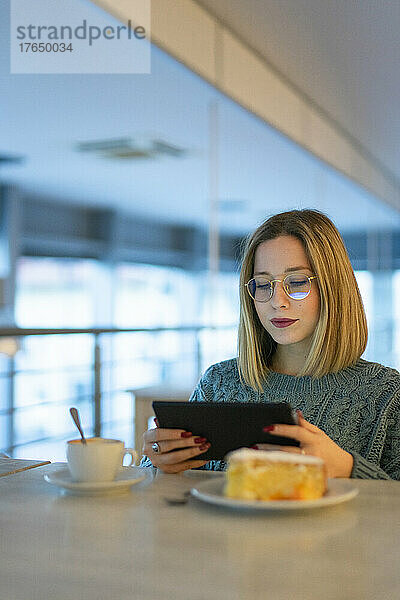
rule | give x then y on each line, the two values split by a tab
268	428
254	447
200	440
205	446
186	434
156	422
300	413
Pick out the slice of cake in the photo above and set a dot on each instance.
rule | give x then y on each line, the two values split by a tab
274	475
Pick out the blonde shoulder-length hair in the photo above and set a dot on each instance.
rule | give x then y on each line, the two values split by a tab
340	336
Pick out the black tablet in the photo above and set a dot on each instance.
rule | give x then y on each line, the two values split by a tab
227	425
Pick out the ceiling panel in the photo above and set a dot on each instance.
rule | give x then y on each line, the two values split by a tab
343	55
259	170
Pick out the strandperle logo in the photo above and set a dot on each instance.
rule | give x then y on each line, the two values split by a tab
75	36
81	32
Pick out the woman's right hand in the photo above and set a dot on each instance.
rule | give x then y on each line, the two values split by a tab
178	449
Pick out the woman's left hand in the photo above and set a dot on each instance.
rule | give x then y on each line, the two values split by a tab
314	442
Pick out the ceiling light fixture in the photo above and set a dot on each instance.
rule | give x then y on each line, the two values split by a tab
132	148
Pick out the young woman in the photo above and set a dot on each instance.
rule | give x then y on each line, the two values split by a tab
301	334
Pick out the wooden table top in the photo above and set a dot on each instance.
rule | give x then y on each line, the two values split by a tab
136	546
162	392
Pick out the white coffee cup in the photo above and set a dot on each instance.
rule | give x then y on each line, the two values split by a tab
98	460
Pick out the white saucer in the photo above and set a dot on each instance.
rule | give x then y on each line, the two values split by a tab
126	478
211	491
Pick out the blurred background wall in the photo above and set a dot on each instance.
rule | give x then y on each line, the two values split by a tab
124	198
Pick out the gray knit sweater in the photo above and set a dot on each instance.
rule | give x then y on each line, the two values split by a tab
358	408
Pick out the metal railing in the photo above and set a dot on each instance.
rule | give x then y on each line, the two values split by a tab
188	350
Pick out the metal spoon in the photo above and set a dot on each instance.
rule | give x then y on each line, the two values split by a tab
175	500
77	421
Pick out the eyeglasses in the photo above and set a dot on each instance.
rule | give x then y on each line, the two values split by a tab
296	286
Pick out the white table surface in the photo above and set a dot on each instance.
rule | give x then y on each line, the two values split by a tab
56	546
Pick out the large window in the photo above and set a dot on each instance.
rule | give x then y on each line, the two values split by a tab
52	373
364	280
53	292
55	372
396	319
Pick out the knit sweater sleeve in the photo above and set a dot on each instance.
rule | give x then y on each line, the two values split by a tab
146	462
389	467
365	469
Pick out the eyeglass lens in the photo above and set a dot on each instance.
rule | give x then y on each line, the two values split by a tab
296	286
